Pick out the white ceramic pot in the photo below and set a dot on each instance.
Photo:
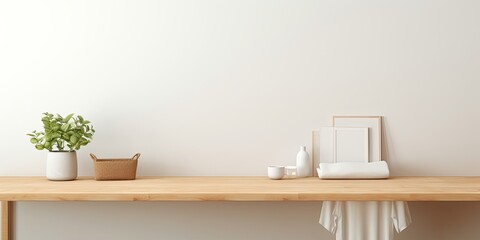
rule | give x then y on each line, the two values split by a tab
62	166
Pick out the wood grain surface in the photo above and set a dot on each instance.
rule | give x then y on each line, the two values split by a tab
240	189
7	220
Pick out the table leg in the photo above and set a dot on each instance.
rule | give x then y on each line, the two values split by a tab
7	220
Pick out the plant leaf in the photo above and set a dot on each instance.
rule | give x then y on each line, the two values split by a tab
73	139
39	147
60	147
56	127
81	118
65	127
84	142
67	118
33	140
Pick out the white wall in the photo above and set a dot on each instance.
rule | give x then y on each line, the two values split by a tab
229	87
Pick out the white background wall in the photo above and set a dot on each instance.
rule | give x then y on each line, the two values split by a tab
229	87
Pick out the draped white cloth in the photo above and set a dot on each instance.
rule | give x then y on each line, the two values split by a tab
364	220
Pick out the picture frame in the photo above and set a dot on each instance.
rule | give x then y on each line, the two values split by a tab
322	147
351	144
373	123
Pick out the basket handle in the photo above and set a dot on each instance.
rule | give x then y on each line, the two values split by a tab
93	156
136	156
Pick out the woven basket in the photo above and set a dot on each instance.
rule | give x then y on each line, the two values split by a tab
115	169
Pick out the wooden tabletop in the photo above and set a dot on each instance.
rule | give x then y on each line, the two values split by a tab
240	189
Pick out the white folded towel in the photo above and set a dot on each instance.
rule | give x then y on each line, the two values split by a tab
353	170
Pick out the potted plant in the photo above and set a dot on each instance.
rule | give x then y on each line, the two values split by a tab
62	137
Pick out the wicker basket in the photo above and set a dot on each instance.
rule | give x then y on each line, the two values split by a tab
115	169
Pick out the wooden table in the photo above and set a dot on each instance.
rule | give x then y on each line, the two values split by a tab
14	189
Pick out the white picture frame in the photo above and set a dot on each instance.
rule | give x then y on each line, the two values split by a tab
322	147
374	124
350	144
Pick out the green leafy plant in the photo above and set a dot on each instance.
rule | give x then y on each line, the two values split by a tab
59	132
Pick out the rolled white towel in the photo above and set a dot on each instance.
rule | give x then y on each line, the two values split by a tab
353	170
